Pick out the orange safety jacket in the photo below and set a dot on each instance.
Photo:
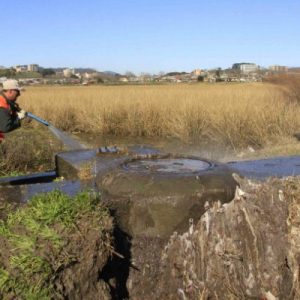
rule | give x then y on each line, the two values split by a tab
4	104
8	116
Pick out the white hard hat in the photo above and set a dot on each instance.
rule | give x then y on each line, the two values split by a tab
11	84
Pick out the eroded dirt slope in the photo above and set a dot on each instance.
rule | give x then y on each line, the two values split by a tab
246	249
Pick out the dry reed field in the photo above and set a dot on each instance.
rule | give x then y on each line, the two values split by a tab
235	115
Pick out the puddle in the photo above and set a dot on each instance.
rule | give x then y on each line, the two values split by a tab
175	165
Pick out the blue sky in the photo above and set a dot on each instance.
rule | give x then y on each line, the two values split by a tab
150	36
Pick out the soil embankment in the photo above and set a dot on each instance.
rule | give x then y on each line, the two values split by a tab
247	249
61	247
54	247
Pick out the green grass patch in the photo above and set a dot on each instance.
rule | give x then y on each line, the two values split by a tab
34	240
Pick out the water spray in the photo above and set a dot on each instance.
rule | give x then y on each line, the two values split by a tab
68	142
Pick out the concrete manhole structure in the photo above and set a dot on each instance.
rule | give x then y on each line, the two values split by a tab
158	195
150	194
153	194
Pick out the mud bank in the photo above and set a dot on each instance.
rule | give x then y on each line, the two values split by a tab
184	228
54	247
246	249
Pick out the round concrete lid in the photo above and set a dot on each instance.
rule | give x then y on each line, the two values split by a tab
168	165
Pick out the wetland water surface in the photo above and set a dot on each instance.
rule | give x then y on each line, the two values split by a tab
280	166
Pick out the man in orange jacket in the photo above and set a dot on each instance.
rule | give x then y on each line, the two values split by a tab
10	112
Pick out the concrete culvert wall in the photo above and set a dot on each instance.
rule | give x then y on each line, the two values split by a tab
150	195
150	198
157	195
246	249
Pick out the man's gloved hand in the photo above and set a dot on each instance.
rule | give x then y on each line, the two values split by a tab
21	114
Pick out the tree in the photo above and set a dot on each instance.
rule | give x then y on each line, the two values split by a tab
47	72
218	72
200	78
7	73
129	74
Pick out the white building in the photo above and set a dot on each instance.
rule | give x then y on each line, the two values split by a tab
278	68
245	67
89	75
21	68
123	79
68	72
197	72
33	68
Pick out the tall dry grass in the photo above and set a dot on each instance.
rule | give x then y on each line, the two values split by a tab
290	83
237	115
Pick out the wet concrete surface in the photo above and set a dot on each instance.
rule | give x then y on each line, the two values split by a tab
155	194
151	193
81	166
90	165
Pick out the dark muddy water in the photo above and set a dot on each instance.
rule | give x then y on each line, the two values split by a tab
257	168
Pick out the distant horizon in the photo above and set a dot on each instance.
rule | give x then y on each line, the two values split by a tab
151	36
142	72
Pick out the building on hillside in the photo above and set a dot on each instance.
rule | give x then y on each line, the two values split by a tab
277	68
245	67
123	79
79	75
196	72
20	68
90	75
33	68
68	72
87	75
